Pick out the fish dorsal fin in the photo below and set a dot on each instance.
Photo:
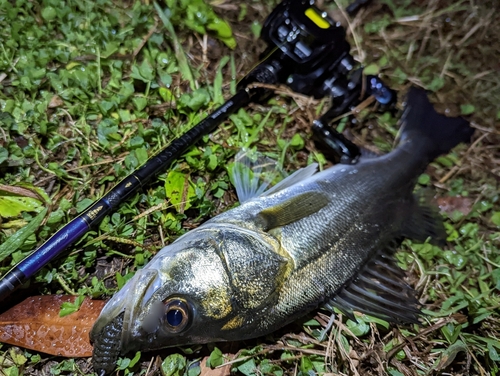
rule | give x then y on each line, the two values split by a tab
251	173
424	222
367	153
379	290
293	179
288	211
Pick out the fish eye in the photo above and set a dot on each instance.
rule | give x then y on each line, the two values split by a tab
177	314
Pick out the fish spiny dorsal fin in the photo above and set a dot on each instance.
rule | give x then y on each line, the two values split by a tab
252	172
293	179
379	290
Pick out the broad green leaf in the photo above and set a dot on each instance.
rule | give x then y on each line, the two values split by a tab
493	353
221	27
467	109
135	359
359	328
12	206
173	365
248	367
312	322
212	162
4	154
424	179
394	372
82	205
49	13
448	356
371	69
306	364
179	190
495	218
11	371
216	358
14	242
140	103
67	308
166	94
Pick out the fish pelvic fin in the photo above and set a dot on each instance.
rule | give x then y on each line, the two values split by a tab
379	290
436	133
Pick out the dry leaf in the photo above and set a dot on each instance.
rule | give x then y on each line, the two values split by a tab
36	325
55	101
449	204
220	371
20	191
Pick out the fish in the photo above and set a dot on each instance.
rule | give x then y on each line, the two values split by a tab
314	239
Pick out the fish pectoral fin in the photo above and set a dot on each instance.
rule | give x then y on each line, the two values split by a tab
293	209
379	290
424	222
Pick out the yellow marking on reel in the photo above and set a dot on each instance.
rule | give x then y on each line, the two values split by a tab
317	19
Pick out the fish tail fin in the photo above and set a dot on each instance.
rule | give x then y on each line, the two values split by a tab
436	133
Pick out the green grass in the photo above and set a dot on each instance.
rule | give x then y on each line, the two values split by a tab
90	90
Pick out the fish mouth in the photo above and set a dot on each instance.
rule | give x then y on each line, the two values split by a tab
114	331
107	347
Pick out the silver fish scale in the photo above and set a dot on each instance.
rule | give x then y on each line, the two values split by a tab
310	240
327	248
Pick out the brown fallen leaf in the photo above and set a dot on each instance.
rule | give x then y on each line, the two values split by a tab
21	191
449	204
55	101
220	371
35	324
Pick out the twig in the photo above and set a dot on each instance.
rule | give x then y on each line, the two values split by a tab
361	53
145	39
456	168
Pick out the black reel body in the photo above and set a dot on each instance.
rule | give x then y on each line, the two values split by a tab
305	49
308	51
311	46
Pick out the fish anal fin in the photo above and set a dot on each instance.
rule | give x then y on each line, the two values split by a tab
293	209
424	222
379	290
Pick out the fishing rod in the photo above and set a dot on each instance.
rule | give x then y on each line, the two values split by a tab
306	48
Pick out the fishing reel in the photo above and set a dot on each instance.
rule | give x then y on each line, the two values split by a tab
305	47
307	50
